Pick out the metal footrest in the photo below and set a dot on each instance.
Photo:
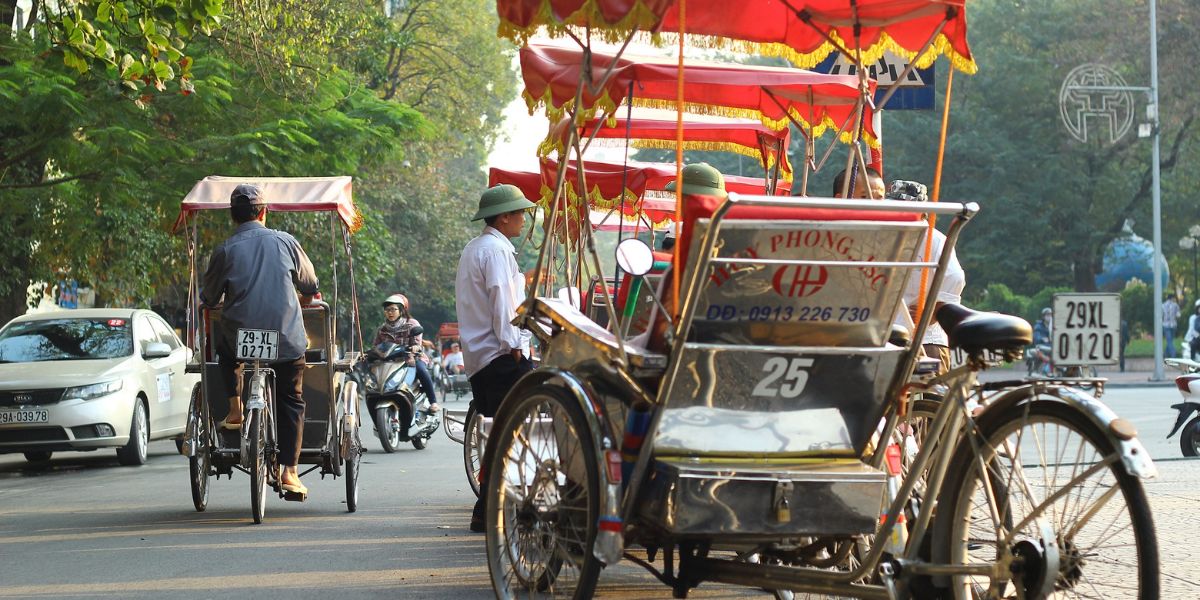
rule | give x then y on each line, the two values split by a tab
756	501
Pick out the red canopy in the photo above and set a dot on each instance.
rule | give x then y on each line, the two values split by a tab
609	183
648	129
793	28
283	194
819	101
775	27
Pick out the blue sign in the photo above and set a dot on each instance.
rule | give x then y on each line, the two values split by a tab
915	93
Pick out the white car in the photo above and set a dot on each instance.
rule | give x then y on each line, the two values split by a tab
91	378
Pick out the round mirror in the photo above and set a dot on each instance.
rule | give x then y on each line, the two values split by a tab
634	257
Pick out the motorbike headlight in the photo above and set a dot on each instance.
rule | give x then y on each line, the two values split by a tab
93	391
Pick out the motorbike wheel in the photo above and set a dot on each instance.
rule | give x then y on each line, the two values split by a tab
199	465
420	442
258	466
473	441
1062	480
389	436
543	499
1189	438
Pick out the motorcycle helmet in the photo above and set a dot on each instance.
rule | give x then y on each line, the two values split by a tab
399	299
1046	311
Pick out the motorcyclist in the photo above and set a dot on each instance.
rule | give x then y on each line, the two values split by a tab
397	329
1192	337
1041	339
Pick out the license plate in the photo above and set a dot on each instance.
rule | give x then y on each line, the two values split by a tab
24	416
257	344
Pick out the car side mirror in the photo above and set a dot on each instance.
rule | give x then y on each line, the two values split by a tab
156	350
635	257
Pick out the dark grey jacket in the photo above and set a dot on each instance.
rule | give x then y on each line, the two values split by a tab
258	271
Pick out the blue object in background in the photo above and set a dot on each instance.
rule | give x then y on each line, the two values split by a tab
1129	257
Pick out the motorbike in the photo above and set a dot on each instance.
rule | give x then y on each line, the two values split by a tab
1038	360
394	398
1188	384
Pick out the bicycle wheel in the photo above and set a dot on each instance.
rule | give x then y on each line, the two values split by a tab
1067	493
200	465
473	442
258	463
543	500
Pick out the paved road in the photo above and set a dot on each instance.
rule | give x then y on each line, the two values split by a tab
86	528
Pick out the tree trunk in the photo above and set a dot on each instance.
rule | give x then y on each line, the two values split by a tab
8	10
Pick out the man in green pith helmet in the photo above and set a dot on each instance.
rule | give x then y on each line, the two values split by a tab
488	289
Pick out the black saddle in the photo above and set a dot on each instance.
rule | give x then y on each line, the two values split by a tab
976	331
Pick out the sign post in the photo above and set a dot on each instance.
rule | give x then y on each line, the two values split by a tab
1087	330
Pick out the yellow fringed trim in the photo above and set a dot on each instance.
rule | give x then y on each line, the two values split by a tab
588	16
597	201
785	173
806	60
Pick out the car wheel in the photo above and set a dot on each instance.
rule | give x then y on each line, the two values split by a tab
38	457
134	452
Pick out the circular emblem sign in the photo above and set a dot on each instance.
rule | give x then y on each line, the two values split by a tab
1090	101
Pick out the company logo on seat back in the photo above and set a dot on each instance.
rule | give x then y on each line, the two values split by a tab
799	281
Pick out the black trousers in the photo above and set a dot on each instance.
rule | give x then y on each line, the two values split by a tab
488	388
491	384
289	401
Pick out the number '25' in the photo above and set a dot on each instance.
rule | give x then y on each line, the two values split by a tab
790	375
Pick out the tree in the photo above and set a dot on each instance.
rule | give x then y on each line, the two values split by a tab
1050	204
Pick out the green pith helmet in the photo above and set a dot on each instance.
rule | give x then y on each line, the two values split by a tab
701	179
500	199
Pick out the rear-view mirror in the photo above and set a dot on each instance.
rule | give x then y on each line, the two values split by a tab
635	257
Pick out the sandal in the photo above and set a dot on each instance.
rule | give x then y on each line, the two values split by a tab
225	424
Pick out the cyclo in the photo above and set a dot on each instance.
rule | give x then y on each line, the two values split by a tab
331	442
767	423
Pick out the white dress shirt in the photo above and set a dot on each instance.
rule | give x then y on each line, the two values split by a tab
488	289
950	291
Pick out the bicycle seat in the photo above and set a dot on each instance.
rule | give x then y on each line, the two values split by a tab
976	331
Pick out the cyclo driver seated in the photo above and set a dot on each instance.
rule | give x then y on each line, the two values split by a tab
257	272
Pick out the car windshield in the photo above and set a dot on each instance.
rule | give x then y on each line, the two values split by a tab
66	339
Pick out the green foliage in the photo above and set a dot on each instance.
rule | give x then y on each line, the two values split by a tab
90	183
998	298
1050	204
1137	307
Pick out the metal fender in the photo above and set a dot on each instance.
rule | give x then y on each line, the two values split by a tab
1120	432
1185	410
609	544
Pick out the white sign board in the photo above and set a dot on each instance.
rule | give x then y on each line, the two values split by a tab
1087	329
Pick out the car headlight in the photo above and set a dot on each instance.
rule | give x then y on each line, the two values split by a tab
93	391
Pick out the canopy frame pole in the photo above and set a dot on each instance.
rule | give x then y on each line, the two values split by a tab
908	68
937	190
810	152
589	247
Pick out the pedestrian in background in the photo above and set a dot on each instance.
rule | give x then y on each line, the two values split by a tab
1170	320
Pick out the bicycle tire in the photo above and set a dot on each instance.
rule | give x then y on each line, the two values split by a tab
199	465
531	553
258	464
473	442
1024	431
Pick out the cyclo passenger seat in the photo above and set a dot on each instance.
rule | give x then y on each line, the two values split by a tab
784	367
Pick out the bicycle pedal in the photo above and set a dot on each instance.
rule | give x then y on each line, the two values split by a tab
295	496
